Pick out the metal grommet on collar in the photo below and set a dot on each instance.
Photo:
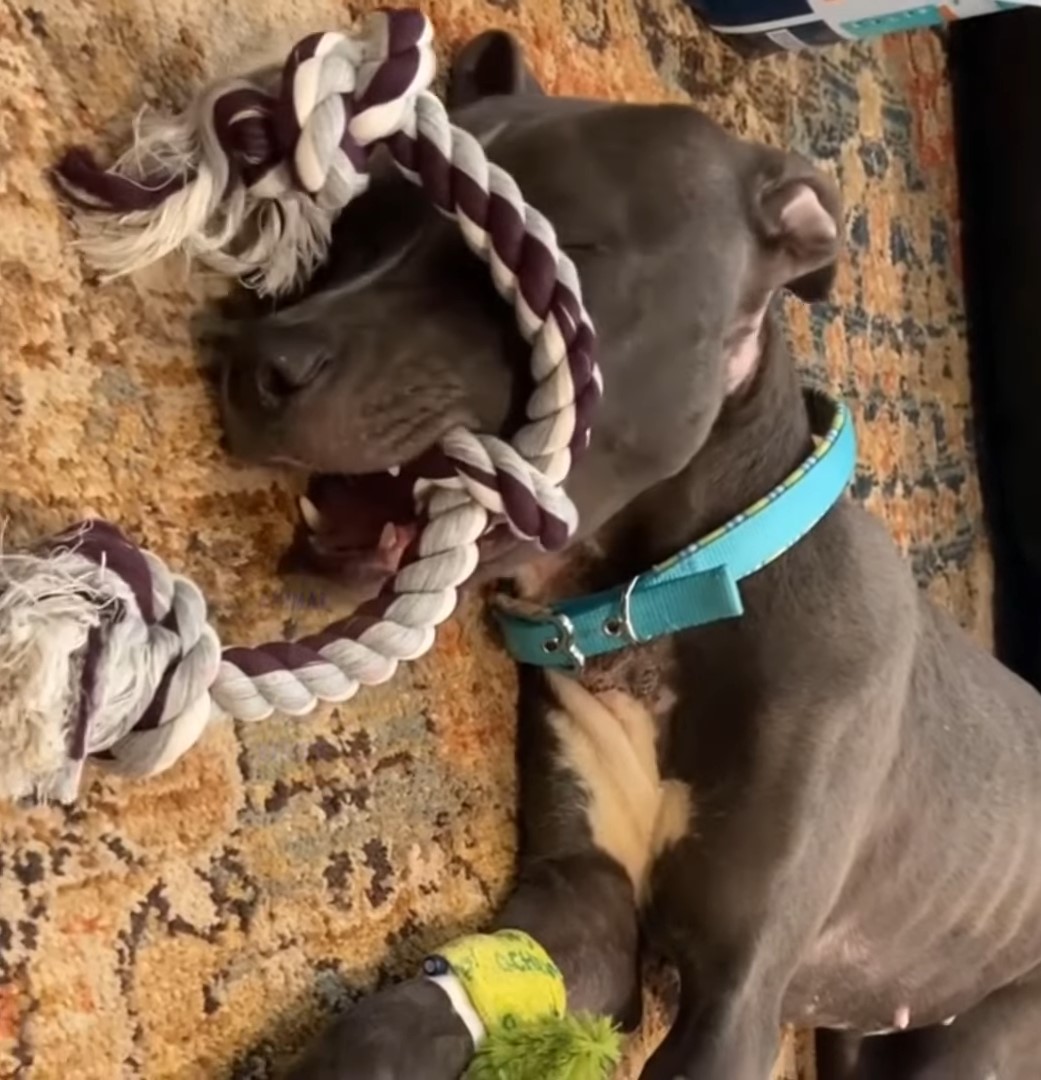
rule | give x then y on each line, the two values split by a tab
564	642
621	625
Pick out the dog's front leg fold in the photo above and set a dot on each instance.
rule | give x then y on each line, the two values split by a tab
573	903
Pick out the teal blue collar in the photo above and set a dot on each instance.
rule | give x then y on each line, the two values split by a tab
698	585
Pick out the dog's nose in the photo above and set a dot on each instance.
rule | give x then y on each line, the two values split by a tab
287	364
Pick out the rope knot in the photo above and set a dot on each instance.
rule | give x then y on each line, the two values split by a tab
340	95
244	123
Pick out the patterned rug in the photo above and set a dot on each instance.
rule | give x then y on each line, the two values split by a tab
204	923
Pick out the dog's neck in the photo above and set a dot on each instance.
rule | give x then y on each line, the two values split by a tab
761	435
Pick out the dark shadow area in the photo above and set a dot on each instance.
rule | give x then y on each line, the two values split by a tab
995	67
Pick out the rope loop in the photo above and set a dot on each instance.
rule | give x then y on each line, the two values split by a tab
114	656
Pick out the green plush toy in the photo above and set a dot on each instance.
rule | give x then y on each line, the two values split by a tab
518	996
569	1047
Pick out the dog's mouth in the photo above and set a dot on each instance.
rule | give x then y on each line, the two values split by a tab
358	530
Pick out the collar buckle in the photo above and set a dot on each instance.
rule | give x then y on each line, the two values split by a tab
621	625
564	641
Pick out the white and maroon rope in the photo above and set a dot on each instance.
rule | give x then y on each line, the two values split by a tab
309	141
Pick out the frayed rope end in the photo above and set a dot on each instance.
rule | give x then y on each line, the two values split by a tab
47	616
250	177
103	654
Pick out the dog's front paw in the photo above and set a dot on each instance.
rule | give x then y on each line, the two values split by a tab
406	1032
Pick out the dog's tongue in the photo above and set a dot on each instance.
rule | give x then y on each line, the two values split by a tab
352	511
354	529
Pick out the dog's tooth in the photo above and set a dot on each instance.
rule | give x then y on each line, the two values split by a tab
395	470
389	537
311	514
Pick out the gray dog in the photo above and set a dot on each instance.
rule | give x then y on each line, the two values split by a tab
825	812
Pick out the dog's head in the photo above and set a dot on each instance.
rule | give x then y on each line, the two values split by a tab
681	234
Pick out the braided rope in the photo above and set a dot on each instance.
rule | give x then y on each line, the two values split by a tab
273	165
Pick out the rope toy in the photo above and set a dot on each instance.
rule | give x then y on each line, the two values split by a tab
106	654
514	1004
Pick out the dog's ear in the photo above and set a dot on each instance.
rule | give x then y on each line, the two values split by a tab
490	65
798	212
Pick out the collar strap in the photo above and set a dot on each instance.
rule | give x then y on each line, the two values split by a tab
699	585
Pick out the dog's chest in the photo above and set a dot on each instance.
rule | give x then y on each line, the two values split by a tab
647	672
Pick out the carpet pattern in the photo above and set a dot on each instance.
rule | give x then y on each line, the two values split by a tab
204	923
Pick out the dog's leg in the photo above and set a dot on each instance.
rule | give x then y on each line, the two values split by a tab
588	778
1000	1039
733	1037
590	797
735	966
727	924
740	906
